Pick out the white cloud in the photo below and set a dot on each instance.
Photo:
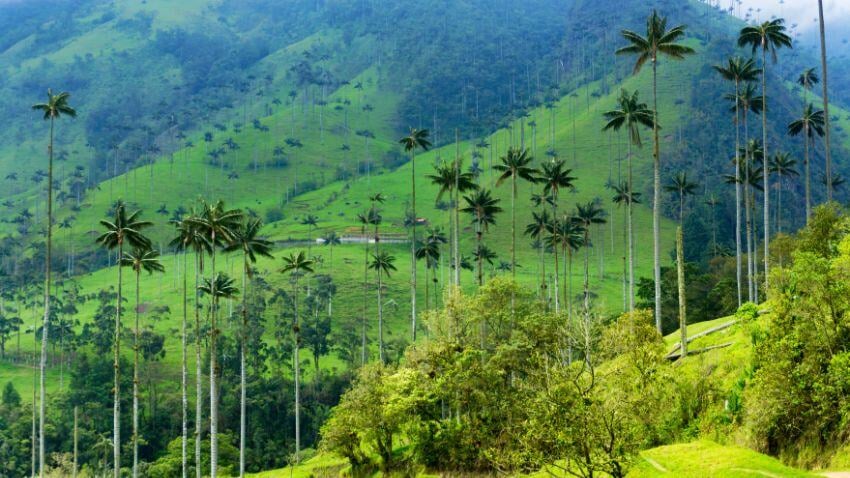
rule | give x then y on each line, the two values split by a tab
801	12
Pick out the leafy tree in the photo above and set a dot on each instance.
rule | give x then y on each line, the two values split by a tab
658	41
55	108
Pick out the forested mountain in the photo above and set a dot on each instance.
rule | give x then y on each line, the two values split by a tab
306	119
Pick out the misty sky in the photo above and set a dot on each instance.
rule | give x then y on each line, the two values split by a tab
802	12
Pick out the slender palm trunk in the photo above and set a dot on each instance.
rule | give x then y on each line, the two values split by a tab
242	374
48	255
587	294
513	226
478	237
413	246
656	197
136	383
76	437
363	351
569	280
749	233
766	176
738	267
556	284
116	390
296	356
380	319
456	237
680	274
824	84
807	173
199	388
184	376
213	367
631	237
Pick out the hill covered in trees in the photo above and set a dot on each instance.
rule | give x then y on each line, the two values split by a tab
292	115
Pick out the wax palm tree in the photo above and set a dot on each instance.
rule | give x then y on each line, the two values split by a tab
296	265
769	36
483	207
366	220
248	241
428	250
554	177
188	237
311	221
824	84
658	41
682	188
631	114
807	79
835	182
516	164
122	230
383	264
416	139
783	166
55	108
623	195
147	260
587	215
331	240
450	178
567	235
809	124
218	225
536	230
739	71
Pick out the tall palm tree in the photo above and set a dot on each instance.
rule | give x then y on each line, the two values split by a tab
296	265
807	79
416	139
331	240
824	84
516	164
450	178
566	234
623	194
738	71
383	264
428	250
187	238
248	241
659	41
554	177
147	260
631	114
218	225
122	230
682	187
769	36
311	221
55	108
810	123
587	215
536	230
365	219
783	166
483	207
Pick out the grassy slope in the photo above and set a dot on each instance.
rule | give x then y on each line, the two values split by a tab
578	138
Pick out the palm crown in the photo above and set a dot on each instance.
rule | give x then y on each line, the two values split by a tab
630	113
739	70
124	229
417	138
658	40
769	36
516	164
811	122
246	239
483	207
56	106
142	259
555	176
